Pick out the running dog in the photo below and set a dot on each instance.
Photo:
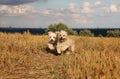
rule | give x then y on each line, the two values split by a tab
64	44
52	41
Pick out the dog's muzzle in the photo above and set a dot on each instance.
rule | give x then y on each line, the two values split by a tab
61	38
52	41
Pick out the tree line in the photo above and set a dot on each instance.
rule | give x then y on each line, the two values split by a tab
85	32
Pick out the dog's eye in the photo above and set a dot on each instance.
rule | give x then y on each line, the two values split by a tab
63	35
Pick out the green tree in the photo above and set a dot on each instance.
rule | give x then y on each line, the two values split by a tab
100	35
86	33
60	26
113	33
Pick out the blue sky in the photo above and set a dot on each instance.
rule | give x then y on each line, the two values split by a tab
74	13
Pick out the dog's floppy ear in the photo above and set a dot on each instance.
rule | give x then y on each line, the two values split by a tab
62	31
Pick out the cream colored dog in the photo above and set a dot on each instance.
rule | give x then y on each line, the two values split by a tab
64	44
52	41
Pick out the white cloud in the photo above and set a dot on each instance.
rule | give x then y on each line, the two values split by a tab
59	14
81	21
86	8
16	10
5	9
46	12
77	15
113	8
86	4
78	18
72	5
98	3
74	14
71	14
106	9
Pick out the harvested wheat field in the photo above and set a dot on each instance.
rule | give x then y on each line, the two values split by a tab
24	56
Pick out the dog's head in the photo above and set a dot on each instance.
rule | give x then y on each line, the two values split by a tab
52	37
62	35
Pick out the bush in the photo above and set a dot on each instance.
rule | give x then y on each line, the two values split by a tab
100	35
60	26
86	33
113	33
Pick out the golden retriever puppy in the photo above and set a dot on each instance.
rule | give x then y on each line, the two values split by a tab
64	44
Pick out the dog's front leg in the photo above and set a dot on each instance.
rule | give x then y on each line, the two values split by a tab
64	47
72	48
58	48
51	47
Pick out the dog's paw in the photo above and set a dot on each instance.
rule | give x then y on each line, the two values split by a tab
51	47
58	51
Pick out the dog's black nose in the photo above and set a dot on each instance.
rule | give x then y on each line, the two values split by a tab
52	40
61	38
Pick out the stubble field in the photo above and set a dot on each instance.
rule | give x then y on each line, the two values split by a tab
24	56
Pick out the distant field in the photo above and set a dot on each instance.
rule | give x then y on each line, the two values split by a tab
24	56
